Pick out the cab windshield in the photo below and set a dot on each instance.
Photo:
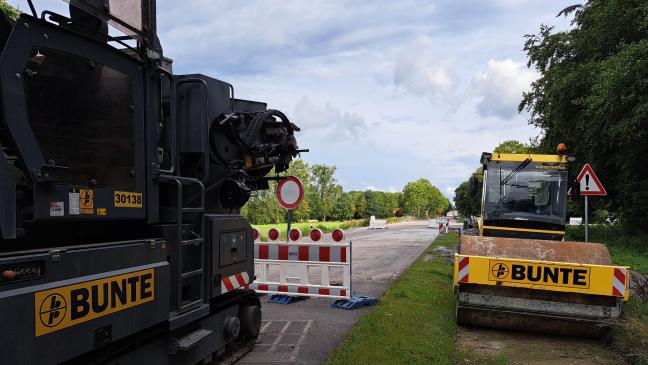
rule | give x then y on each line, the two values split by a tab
526	191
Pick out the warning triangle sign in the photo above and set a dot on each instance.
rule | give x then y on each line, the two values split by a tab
589	183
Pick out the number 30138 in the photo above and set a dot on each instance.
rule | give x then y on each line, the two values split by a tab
128	199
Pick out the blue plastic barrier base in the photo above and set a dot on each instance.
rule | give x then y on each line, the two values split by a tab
355	302
284	299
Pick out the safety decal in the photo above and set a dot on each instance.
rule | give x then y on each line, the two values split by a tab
86	201
618	282
74	203
464	269
56	209
234	282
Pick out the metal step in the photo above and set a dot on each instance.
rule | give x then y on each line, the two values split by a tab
193	210
187	342
179	320
192	273
193	242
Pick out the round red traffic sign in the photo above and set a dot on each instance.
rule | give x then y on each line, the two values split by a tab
290	192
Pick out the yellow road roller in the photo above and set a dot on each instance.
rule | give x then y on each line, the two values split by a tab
519	273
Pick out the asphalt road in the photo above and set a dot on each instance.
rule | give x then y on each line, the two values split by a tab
307	331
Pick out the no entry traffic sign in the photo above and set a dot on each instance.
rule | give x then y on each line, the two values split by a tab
290	192
589	183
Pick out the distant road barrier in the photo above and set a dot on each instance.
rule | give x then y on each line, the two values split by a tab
377	223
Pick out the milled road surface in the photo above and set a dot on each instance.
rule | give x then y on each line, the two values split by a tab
306	332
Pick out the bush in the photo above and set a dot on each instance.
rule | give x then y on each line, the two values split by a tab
600	216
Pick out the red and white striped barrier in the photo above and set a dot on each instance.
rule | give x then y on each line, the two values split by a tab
303	268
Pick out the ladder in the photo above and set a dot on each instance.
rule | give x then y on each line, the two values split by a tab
187	299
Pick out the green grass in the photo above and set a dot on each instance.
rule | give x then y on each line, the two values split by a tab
306	227
414	322
630	336
625	250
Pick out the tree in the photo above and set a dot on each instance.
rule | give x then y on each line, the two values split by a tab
359	204
11	12
343	208
591	95
468	204
421	199
324	190
513	146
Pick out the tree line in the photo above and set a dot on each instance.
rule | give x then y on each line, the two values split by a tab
325	200
592	95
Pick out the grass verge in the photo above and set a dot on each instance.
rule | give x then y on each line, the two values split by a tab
630	336
306	227
414	322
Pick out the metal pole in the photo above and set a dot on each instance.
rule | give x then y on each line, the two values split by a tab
586	219
290	213
351	269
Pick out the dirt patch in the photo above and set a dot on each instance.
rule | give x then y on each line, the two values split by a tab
531	349
446	253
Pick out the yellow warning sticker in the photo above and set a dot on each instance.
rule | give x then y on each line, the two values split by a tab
125	199
86	204
73	304
539	273
101	211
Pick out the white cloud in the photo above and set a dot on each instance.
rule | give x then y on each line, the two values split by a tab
421	70
501	87
450	192
312	117
372	188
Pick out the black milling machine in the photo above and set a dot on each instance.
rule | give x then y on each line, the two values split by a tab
120	190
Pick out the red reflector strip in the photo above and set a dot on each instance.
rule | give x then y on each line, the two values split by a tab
283	252
240	279
303	253
325	254
463	262
228	284
264	252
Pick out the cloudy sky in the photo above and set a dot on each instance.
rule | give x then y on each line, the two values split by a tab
387	91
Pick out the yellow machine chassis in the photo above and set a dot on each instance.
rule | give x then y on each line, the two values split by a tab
545	275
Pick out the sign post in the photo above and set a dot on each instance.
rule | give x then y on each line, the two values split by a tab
589	185
290	193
